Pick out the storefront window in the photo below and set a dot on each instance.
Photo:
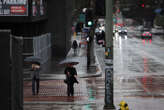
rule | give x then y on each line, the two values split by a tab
13	7
23	10
38	7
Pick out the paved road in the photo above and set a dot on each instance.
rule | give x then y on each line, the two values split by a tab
138	72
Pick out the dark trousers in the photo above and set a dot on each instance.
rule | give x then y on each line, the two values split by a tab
35	86
70	89
75	51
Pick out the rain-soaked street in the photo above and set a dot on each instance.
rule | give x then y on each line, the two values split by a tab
138	80
138	72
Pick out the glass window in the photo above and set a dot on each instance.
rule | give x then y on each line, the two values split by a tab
38	7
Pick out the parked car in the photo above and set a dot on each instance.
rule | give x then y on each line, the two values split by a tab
146	35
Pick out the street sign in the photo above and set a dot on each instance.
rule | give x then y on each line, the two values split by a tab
82	18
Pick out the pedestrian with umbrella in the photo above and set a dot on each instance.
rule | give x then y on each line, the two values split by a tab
35	73
35	78
71	75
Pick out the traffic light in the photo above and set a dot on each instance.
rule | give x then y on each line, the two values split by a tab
89	18
89	23
141	3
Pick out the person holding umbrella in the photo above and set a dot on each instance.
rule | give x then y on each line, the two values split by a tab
35	77
35	61
71	78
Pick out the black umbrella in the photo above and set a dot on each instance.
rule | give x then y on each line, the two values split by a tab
69	61
33	59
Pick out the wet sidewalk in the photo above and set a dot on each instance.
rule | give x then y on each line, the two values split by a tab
52	86
55	91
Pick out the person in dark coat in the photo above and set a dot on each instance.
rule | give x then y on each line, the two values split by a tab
74	46
71	78
35	78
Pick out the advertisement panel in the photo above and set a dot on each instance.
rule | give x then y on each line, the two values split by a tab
13	7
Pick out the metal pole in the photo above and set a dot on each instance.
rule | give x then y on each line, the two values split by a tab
109	56
109	30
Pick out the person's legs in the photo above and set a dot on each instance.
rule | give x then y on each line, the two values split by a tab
72	89
74	51
37	85
33	86
68	89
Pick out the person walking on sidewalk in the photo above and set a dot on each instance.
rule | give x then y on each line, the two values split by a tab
35	78
74	46
71	78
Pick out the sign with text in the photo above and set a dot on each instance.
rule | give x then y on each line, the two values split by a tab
13	7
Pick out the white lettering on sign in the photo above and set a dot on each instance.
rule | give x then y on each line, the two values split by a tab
18	9
18	2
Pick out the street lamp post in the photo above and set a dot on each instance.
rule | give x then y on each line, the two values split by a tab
109	56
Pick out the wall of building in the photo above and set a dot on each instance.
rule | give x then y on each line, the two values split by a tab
11	75
59	25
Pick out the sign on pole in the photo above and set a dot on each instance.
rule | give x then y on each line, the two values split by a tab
82	18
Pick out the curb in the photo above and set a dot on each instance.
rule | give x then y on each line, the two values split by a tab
61	103
99	73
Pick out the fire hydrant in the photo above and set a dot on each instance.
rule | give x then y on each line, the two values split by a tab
123	106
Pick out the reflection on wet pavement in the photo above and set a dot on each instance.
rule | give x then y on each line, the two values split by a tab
138	74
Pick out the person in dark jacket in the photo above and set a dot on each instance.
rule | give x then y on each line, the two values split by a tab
71	78
74	46
35	78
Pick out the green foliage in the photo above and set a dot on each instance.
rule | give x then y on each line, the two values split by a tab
159	20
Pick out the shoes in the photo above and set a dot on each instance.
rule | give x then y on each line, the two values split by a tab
65	81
